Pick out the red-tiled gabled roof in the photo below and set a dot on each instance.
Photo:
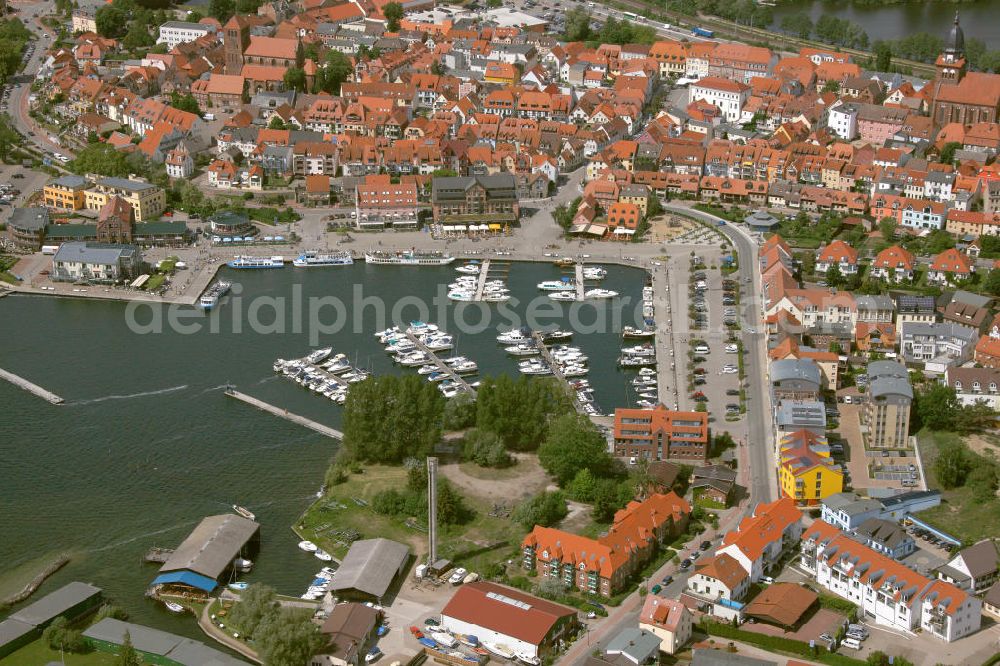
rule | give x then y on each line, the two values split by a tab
488	605
894	257
951	261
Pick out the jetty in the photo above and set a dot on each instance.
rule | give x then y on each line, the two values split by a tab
158	555
285	414
444	367
23	383
579	281
555	368
484	272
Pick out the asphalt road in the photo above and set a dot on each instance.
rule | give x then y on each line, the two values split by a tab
761	441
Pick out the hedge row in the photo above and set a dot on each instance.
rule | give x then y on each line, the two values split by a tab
778	644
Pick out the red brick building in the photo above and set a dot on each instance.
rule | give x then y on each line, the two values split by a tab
661	434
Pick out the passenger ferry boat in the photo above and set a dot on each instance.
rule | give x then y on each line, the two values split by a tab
257	262
212	295
408	258
314	258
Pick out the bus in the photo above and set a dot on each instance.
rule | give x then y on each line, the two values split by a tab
631	16
703	32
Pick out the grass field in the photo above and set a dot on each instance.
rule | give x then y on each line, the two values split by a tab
958	515
484	540
37	654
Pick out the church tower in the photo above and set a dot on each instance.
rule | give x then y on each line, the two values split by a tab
235	39
951	64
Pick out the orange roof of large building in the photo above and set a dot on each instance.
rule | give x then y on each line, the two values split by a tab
951	261
838	251
894	257
632	529
662	612
490	605
725	85
782	603
271	47
766	526
723	568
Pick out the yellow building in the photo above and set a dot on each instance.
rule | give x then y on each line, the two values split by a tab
807	473
66	193
147	200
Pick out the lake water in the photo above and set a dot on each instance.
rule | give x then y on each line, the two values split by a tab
980	19
147	444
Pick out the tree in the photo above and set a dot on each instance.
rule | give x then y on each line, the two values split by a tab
438	68
983	481
887	227
834	277
952	465
486	449
451	507
185	103
583	487
832	85
654	208
276	123
883	56
519	410
798	24
333	73
545	509
991	284
460	412
947	155
578	25
288	637
100	158
389	418
256	602
392	12
223	10
111	21
300	55
128	655
572	444
8	137
295	79
937	407
59	636
112	611
137	37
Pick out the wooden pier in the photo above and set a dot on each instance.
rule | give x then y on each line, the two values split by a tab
23	383
444	367
555	368
285	414
579	281
158	555
484	272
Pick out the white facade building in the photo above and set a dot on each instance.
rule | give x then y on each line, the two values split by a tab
728	96
843	121
173	33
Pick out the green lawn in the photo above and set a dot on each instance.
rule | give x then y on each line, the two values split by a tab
37	654
958	515
6	263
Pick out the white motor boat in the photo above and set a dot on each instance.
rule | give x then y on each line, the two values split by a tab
563	295
594	273
173	607
307	546
522	349
323	555
319	355
465	368
464	296
469	269
514	337
444	639
640	350
600	293
557	285
647	372
499	649
495	297
427	369
639	333
420	328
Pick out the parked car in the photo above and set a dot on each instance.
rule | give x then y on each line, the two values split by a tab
656	589
667	580
416	633
732	391
685	565
705	545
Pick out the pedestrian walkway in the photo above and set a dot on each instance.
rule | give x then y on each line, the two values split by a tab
285	414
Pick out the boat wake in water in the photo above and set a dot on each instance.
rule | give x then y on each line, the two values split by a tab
141	536
141	394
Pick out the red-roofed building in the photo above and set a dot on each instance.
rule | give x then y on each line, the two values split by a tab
886	591
949	267
380	203
500	615
893	264
661	434
602	566
729	96
760	540
839	254
669	620
623	219
719	577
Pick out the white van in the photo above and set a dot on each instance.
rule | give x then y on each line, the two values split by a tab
702	349
852	643
209	116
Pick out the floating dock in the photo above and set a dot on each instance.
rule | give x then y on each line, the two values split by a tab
556	369
285	414
579	281
484	272
444	367
158	555
23	383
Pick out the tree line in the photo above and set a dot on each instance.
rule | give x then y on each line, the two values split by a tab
282	636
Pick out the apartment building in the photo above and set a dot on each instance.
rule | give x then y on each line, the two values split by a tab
603	565
66	193
885	591
944	342
380	203
661	434
729	96
475	199
173	33
887	412
147	200
807	473
760	540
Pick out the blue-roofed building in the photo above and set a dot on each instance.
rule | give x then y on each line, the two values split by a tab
205	559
